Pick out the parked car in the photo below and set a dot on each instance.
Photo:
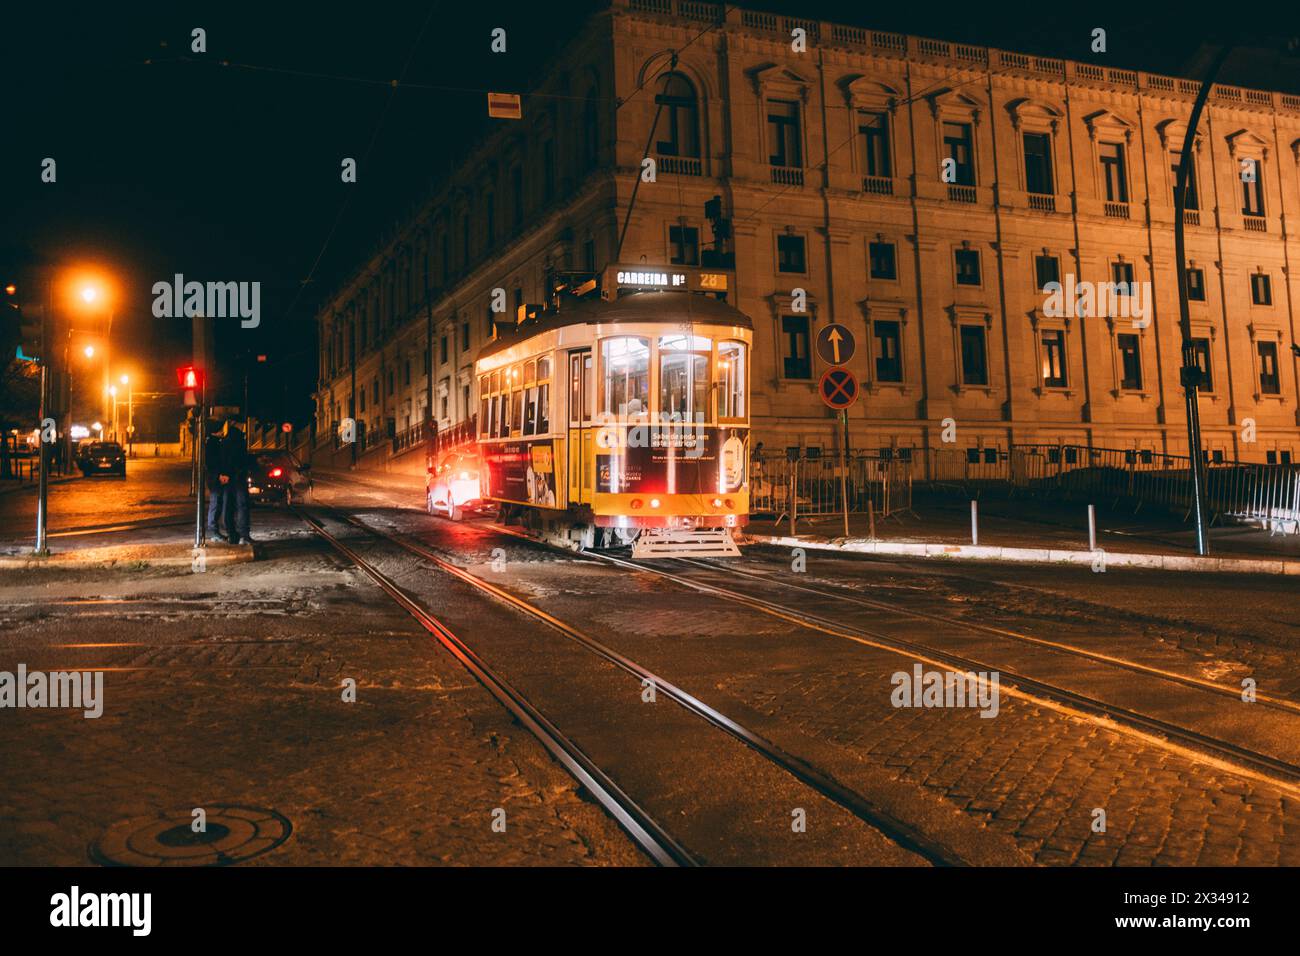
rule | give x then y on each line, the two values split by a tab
277	477
453	484
101	458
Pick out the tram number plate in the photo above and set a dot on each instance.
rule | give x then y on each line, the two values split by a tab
713	280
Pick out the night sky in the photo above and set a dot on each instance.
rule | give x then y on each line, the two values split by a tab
170	161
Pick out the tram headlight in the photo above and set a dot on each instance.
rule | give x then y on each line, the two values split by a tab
654	502
717	502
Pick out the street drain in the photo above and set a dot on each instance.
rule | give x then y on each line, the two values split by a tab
232	834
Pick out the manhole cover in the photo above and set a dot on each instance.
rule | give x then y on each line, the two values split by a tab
232	834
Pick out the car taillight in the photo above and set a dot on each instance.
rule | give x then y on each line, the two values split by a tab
277	472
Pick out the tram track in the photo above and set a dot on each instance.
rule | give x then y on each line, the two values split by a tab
1188	743
895	829
1263	700
1225	754
643	829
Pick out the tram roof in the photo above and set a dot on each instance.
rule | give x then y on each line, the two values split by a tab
634	307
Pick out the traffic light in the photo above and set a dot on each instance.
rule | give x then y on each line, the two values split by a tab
190	380
23	328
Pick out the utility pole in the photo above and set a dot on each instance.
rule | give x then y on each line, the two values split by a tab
1190	373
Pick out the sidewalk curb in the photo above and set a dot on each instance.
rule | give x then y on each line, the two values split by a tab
33	485
127	555
1158	562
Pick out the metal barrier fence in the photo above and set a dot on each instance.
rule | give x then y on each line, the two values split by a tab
1267	495
818	486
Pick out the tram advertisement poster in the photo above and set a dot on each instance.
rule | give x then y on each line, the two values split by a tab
523	472
687	466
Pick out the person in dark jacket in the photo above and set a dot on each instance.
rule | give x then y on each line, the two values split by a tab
212	480
234	476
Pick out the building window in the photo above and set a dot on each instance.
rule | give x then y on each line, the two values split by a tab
517	196
591	131
1038	163
374	392
1261	289
1130	356
883	264
1202	348
1193	197
797	362
874	130
968	266
889	351
1269	381
974	356
679	123
548	170
442	350
589	255
684	245
1121	274
957	147
783	133
392	385
1252	190
1046	269
1112	171
1054	359
1196	285
464	336
790	253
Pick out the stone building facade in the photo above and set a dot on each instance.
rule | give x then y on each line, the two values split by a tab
920	192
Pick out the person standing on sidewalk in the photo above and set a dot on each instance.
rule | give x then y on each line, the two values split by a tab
234	478
212	480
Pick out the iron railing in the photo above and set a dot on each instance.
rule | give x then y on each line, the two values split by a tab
819	486
1264	495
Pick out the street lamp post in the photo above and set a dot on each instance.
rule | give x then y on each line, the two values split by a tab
1190	372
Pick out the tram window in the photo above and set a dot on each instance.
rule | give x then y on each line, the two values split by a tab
530	410
517	410
543	408
575	389
731	380
684	376
530	373
543	368
626	366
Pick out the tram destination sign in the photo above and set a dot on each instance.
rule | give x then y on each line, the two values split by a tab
643	277
836	344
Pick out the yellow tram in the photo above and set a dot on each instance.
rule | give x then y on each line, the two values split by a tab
622	417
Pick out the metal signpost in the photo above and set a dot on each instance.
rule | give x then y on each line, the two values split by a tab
839	390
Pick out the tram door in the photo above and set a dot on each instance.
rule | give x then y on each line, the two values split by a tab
582	403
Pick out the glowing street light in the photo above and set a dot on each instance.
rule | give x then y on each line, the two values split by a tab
89	293
89	351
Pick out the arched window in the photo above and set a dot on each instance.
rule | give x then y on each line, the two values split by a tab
591	131
679	118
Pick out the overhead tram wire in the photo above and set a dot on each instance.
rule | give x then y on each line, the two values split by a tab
374	138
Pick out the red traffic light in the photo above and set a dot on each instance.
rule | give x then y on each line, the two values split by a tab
187	376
